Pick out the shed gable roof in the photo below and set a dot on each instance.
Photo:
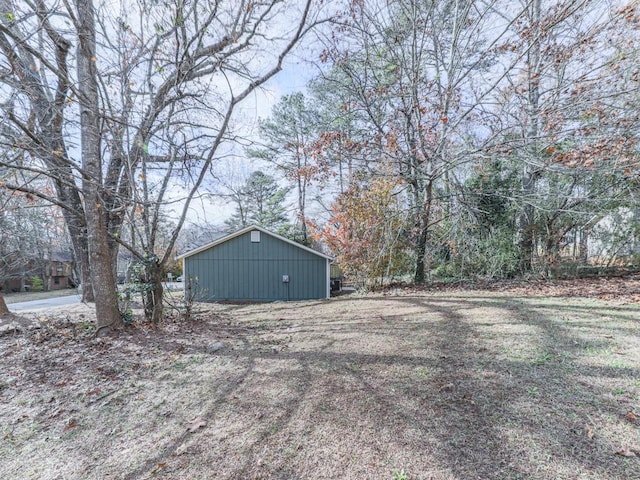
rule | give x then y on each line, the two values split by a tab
250	228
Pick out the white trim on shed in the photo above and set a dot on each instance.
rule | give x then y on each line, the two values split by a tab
242	232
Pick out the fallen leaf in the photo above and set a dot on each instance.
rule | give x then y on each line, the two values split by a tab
631	416
196	424
71	423
158	468
588	430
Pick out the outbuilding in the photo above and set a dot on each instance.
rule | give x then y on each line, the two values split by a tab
254	264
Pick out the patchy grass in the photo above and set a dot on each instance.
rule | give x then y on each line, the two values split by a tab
457	385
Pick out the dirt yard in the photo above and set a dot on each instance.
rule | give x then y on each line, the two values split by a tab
400	385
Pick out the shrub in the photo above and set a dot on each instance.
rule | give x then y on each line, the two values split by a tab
36	284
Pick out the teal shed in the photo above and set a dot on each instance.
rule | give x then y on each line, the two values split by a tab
254	264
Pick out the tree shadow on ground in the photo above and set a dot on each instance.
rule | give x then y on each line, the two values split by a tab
480	387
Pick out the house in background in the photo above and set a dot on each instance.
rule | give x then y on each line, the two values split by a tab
254	264
58	271
55	270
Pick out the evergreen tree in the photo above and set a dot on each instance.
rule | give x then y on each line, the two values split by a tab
260	201
290	141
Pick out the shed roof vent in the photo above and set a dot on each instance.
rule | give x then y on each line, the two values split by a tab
255	236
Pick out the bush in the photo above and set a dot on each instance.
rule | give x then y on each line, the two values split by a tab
36	284
493	256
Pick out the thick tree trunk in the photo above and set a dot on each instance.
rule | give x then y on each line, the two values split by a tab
102	278
153	307
421	244
526	245
527	241
3	306
421	251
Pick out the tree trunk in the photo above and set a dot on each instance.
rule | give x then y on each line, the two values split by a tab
421	244
529	174
302	187
77	229
153	307
526	245
3	306
102	278
421	251
85	272
583	248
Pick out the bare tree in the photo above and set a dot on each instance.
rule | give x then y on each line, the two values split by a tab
31	231
35	74
188	83
153	101
417	73
564	120
100	255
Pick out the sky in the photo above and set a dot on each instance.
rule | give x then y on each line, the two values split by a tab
130	39
298	69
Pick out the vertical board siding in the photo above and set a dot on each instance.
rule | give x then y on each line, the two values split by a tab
241	270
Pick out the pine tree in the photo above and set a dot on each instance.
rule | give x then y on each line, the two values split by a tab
260	201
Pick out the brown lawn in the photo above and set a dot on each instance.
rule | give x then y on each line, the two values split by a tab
452	385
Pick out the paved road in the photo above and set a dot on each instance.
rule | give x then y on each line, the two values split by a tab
44	303
66	300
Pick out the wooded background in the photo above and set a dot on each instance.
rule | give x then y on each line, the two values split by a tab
435	140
